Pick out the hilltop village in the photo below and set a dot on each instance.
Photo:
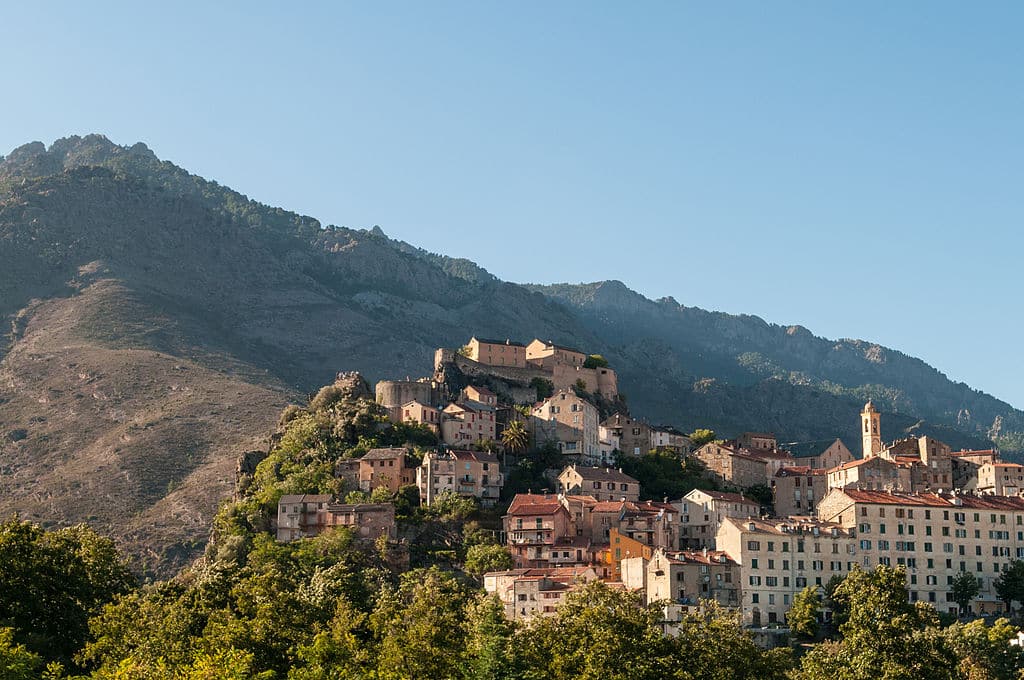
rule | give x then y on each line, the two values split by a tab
761	521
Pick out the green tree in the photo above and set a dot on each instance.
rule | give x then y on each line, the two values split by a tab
701	436
481	559
1010	584
711	644
51	582
16	661
515	437
803	614
840	612
985	652
598	632
595	361
489	651
965	588
421	627
882	626
662	474
761	493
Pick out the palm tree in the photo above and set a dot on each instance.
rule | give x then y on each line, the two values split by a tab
515	437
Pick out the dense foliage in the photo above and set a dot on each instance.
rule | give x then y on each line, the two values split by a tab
663	474
335	607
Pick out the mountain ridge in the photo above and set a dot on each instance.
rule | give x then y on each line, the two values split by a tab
159	321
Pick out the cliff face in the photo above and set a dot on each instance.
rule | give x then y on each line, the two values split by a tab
154	323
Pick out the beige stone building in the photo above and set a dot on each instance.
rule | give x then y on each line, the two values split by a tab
496	352
669	438
472	474
758	441
873	473
731	466
633	436
930	460
385	467
602	483
304	516
348	470
684	577
421	414
480	395
701	513
571	423
466	423
545	354
299	516
780	557
527	593
935	536
1001	479
369	521
966	464
820	455
796	490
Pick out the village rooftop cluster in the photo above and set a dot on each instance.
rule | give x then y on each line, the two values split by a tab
912	502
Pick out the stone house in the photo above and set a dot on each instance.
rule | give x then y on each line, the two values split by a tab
796	490
569	422
480	395
684	577
668	437
633	436
874	473
545	355
471	474
757	441
820	455
385	467
369	521
497	352
526	593
299	516
601	483
304	516
731	466
1000	479
701	513
465	423
421	414
965	465
347	469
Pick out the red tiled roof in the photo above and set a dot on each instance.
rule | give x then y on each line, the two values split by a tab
534	504
1014	503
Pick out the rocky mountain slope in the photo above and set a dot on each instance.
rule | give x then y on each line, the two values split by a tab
154	323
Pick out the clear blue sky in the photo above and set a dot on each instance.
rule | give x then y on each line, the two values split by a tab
852	167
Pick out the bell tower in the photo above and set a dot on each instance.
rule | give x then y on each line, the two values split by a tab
871	431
